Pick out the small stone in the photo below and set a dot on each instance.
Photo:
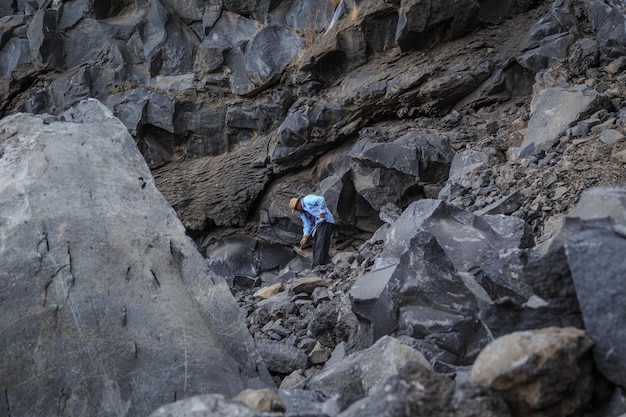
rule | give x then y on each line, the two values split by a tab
319	354
616	66
261	399
292	379
307	285
611	136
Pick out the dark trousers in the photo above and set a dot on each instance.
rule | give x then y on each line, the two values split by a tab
321	245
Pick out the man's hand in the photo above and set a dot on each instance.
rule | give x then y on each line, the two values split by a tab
323	216
303	241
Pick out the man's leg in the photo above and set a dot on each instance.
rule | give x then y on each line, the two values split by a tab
321	245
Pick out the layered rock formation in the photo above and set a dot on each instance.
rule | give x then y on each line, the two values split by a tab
458	143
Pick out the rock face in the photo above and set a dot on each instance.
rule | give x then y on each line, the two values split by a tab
459	144
108	305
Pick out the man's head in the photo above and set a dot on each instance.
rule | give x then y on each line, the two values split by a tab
295	205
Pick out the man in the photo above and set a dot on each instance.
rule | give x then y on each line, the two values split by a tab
318	222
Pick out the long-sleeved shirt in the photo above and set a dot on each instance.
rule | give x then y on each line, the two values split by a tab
314	206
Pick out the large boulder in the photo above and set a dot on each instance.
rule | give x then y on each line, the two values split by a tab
554	109
108	306
594	242
418	391
551	37
607	19
361	373
468	239
545	372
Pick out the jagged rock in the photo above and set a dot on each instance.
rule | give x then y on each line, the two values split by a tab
506	315
554	110
551	279
453	227
425	277
594	233
421	24
371	301
463	163
432	263
306	128
552	49
281	357
333	322
269	52
544	372
363	372
550	38
606	18
420	154
450	332
502	275
111	261
583	54
416	390
237	254
319	295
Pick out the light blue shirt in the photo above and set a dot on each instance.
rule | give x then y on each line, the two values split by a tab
315	205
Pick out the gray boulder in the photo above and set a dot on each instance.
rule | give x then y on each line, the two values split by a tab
417	153
269	52
333	322
305	130
422	279
545	372
594	233
550	38
467	239
281	357
105	294
464	163
555	109
371	300
418	391
607	19
361	373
